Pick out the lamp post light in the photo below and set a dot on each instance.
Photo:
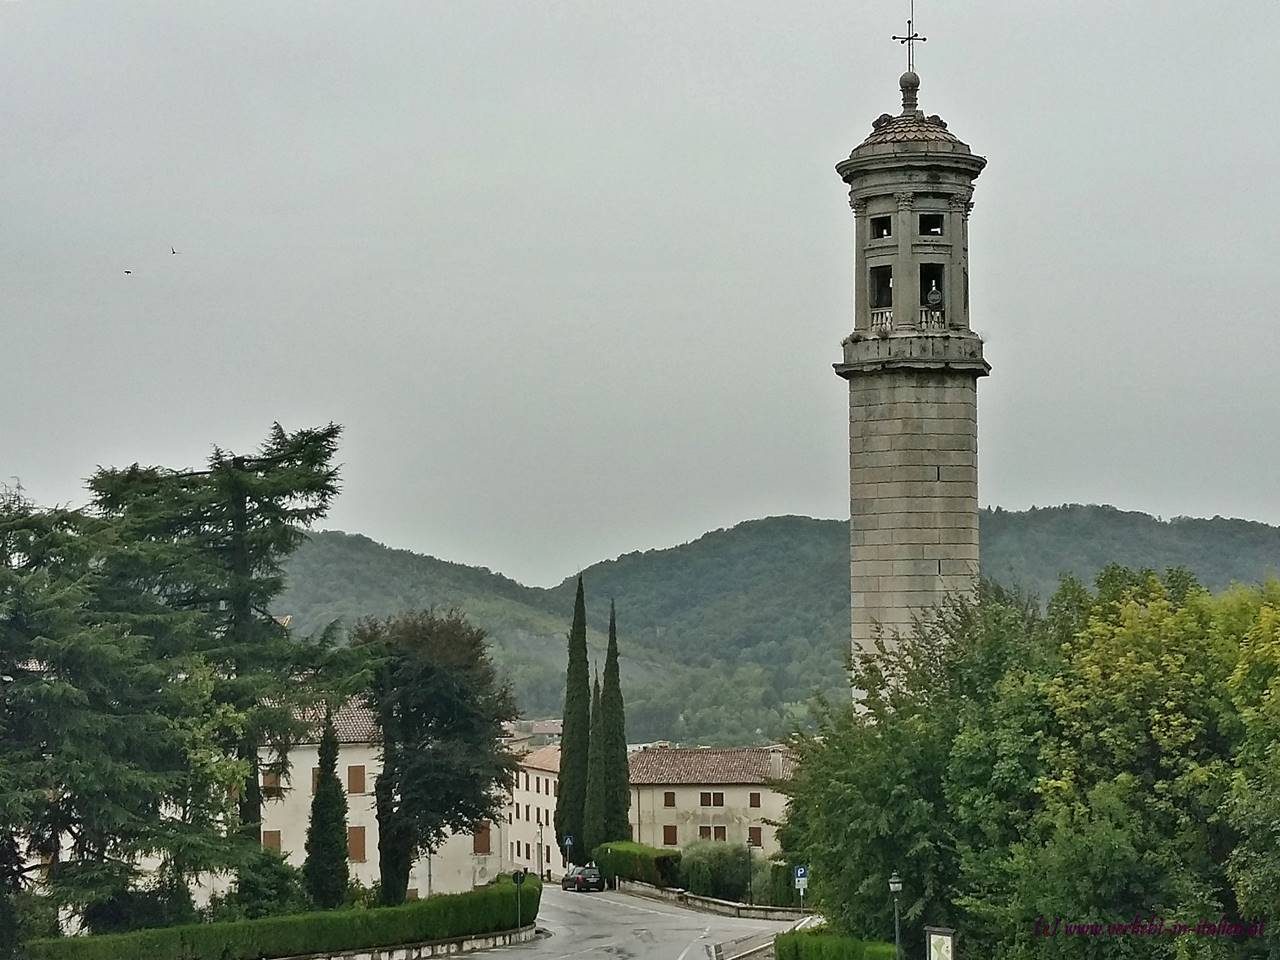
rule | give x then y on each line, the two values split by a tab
895	887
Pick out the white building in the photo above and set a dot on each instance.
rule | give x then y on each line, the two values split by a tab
683	794
462	862
531	832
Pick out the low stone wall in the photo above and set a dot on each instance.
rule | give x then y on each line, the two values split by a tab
433	948
725	908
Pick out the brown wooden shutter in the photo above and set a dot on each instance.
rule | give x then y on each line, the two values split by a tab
705	799
720	833
669	798
754	837
355	844
355	778
754	799
480	840
704	833
271	840
669	835
315	779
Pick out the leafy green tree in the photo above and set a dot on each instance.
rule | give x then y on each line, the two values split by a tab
109	731
442	708
325	869
212	542
575	740
593	809
613	749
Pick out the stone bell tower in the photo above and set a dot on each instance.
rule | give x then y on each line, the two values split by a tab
913	365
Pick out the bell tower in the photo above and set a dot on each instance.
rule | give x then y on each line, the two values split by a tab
913	363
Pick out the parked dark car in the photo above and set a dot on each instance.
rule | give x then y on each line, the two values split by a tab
582	878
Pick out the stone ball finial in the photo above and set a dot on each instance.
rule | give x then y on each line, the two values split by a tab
909	83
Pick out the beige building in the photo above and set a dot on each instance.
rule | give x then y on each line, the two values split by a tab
913	363
462	862
683	794
531	832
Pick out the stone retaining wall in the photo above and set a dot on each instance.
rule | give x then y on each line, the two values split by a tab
433	948
725	908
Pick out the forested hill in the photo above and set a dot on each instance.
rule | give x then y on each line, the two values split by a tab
726	637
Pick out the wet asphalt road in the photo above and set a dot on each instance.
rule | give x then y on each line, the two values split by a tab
594	926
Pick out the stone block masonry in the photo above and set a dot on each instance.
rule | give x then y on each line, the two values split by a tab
905	494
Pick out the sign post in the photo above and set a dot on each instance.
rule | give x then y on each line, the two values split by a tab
800	876
518	879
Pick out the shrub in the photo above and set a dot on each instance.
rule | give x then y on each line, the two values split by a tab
165	905
635	861
781	889
483	910
821	945
266	886
716	869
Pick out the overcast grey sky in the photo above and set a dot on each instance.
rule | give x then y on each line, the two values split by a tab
573	274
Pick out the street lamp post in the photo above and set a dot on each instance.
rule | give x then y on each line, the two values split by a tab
895	887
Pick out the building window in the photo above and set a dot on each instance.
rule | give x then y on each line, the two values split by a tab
526	813
271	788
526	781
704	799
512	845
537	784
881	227
315	778
546	855
527	851
704	833
754	837
717	799
931	224
480	840
538	813
720	833
754	799
271	840
355	779
669	835
880	289
355	844
931	285
669	798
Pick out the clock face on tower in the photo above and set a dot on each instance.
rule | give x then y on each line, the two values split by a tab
939	946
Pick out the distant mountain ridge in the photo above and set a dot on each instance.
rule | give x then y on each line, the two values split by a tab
725	637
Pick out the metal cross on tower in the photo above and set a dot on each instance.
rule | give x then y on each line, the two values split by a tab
911	38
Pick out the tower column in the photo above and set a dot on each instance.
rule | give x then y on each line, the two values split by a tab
906	297
861	310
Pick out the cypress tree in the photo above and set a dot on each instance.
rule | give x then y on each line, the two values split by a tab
613	736
575	739
593	826
325	870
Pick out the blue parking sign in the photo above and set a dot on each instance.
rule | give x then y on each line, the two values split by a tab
800	872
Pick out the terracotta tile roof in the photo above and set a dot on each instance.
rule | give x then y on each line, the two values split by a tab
544	758
354	723
733	765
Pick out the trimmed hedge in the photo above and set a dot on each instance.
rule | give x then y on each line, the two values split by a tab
635	861
819	945
782	890
484	910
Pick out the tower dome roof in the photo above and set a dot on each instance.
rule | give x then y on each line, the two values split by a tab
911	129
